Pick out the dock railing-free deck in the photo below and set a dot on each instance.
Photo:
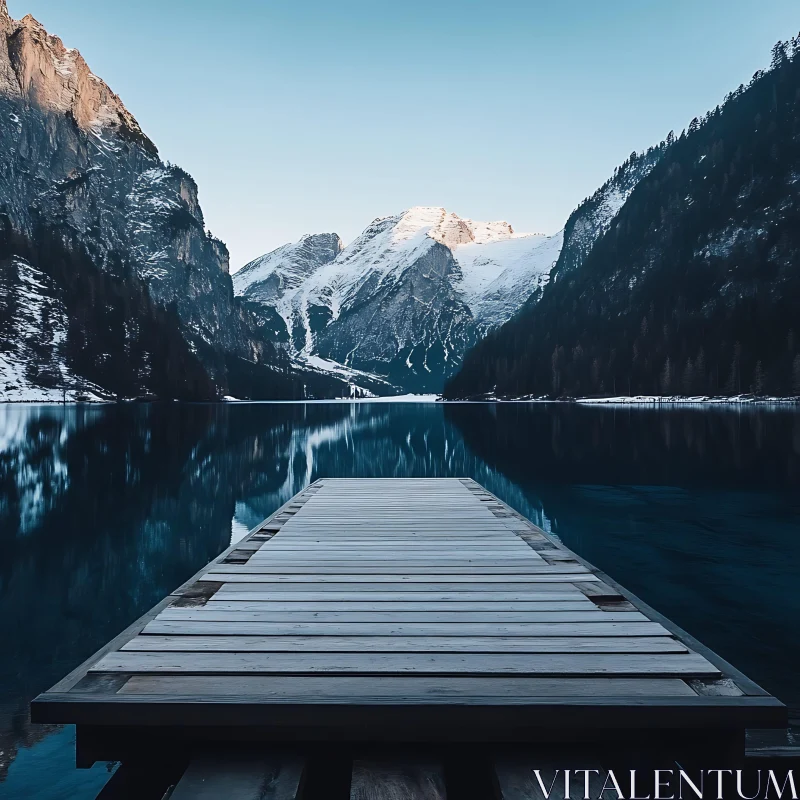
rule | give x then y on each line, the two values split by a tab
403	610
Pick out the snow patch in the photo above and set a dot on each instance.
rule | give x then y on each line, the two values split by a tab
32	364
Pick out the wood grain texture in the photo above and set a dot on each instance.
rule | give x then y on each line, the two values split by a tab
548	593
408	604
399	644
687	665
528	629
415	689
585	615
397	780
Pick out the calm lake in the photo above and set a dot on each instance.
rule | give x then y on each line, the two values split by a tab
104	510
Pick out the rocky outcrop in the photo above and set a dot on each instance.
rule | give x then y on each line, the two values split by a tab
37	67
77	170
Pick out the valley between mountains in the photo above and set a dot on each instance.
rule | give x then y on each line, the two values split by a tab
680	275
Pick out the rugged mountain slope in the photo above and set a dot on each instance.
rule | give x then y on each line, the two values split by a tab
695	287
81	183
593	217
266	283
404	301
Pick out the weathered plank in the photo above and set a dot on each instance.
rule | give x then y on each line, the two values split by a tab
464	606
406	779
416	689
546	593
555	576
241	777
591	614
415	644
558	583
599	591
401	563
267	568
663	664
530	629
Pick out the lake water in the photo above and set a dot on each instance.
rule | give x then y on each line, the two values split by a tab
104	510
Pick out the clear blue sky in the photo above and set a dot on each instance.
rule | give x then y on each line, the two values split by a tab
299	116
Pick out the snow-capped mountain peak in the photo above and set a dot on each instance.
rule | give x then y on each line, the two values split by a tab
270	276
445	227
402	301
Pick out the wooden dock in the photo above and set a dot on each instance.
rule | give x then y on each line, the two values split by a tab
400	611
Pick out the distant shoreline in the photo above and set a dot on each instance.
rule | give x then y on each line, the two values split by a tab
648	401
642	400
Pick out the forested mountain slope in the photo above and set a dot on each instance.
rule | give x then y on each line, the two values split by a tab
695	287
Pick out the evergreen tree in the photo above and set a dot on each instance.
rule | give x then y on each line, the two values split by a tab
796	375
758	380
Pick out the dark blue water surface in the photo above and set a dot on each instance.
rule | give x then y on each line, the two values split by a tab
104	510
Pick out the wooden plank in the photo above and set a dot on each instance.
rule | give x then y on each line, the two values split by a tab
450	561
473	580
599	591
557	583
249	545
360	521
385	530
409	552
379	550
590	615
411	689
398	779
241	777
407	605
724	687
386	534
379	537
414	644
662	664
474	573
547	593
211	628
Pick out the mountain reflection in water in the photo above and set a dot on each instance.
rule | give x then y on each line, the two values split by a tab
104	510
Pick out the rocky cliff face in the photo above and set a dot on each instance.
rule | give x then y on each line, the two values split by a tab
403	302
267	283
77	170
36	66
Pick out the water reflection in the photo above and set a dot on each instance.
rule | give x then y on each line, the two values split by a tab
105	510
